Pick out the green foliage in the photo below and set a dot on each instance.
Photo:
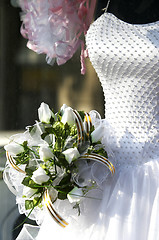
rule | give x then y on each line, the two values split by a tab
29	204
57	167
82	114
27	181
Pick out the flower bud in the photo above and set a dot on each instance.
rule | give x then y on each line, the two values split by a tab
63	108
97	134
45	113
45	153
75	195
68	116
71	154
39	176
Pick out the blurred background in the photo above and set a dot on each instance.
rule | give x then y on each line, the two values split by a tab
26	80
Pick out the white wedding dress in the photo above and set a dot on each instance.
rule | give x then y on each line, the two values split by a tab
126	59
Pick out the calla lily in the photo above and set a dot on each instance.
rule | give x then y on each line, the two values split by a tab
39	176
68	116
97	134
71	154
45	113
45	153
75	195
14	148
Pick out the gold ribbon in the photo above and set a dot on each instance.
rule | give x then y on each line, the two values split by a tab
54	214
101	159
86	127
80	128
11	161
87	123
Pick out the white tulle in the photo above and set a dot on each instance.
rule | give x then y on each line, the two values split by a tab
121	209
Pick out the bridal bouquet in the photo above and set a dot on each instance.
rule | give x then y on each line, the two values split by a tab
48	156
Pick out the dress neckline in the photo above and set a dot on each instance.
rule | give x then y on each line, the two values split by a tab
115	18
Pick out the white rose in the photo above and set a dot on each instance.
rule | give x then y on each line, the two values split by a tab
45	153
68	116
75	195
45	113
97	134
39	176
71	154
14	148
63	108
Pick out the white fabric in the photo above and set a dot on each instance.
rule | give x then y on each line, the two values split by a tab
126	59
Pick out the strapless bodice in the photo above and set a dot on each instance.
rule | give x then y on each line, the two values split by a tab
126	59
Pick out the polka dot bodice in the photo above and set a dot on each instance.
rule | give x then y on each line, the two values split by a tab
126	59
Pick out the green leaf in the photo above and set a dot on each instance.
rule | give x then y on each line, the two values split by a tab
62	161
59	144
27	181
29	170
25	145
58	128
82	114
65	180
62	196
49	130
101	152
30	128
92	129
37	200
29	204
44	135
84	147
63	190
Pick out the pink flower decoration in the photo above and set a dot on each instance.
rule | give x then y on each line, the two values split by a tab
55	27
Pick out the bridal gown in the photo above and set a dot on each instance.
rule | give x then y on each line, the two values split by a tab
126	205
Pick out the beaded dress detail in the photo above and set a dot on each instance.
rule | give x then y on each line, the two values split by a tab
126	59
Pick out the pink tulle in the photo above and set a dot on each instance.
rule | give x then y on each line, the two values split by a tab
55	27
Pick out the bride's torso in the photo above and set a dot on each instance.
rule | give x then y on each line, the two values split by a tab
126	59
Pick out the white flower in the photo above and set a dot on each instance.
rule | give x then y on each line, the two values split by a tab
63	108
14	148
20	137
29	192
97	134
68	116
71	154
45	153
45	113
75	195
39	176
